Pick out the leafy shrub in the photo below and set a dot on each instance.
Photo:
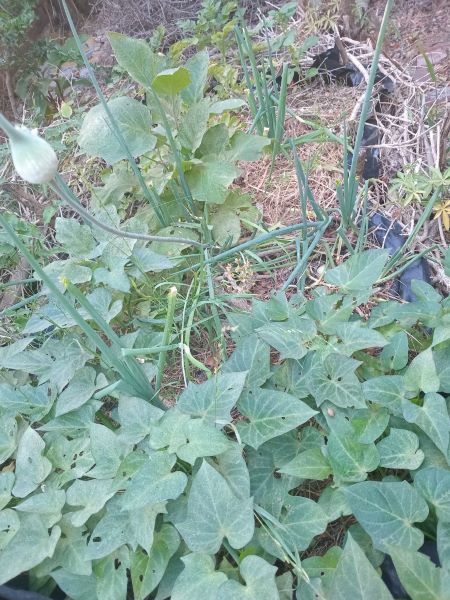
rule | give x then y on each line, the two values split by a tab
170	496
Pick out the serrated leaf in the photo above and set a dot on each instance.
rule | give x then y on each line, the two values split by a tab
355	577
359	272
259	577
269	414
148	569
28	548
226	226
253	356
214	513
171	81
310	464
400	450
421	374
289	337
210	180
154	482
418	575
32	468
75	237
245	146
432	418
136	57
333	379
394	356
213	400
388	511
434	485
198	579
134	121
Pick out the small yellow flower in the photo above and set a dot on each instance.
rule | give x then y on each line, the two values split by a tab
442	211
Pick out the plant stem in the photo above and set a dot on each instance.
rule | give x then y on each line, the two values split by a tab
171	301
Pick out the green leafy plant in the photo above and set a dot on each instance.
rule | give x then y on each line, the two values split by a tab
411	185
190	497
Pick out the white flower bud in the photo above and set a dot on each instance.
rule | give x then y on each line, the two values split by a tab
34	159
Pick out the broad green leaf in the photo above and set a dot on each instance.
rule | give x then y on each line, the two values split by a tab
136	417
202	440
434	485
421	374
333	379
364	541
77	587
418	575
154	482
349	459
167	248
355	577
136	58
91	495
388	511
359	272
198	579
442	330
111	574
9	352
75	237
442	362
78	392
323	566
245	146
214	513
32	468
387	390
71	551
119	527
226	226
197	66
302	519
60	270
394	356
400	450
169	432
213	400
289	337
266	486
145	260
370	423
8	437
194	125
48	504
330	311
147	570
269	414
432	418
221	106
210	180
107	450
134	121
6	485
259	577
253	356
171	81
232	466
28	548
9	526
443	544
215	140
357	336
310	464
285	585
